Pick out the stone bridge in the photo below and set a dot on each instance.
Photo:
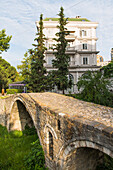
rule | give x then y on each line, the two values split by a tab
74	134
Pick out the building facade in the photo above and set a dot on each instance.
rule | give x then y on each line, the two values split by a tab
100	59
18	85
81	45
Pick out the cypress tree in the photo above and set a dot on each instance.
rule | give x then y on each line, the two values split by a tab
37	78
61	61
25	67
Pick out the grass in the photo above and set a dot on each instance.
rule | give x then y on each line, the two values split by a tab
14	147
3	97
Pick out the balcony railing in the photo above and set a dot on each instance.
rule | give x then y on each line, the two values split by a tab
70	37
72	63
70	48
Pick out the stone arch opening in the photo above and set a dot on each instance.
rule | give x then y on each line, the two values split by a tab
50	137
50	145
83	159
19	117
81	155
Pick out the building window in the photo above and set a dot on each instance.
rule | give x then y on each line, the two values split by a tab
85	46
59	125
68	45
50	58
85	60
50	46
83	33
101	59
50	145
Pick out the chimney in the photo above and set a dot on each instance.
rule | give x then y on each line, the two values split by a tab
78	17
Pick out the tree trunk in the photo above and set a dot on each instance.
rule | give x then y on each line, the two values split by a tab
63	91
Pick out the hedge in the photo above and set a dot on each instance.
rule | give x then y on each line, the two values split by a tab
13	91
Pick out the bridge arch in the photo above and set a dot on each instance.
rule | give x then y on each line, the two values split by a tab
81	155
64	135
48	128
49	137
20	115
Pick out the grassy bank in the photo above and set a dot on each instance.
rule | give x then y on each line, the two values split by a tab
18	150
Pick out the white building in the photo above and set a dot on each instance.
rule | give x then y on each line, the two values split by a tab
81	45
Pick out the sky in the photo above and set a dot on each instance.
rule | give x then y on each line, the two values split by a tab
18	18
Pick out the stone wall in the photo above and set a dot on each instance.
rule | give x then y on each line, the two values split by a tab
5	105
2	112
75	141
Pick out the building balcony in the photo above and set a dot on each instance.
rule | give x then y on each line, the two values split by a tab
72	63
70	37
70	48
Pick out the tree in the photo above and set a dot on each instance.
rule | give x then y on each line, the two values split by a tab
94	88
108	70
13	75
25	67
8	74
37	77
4	41
61	62
3	78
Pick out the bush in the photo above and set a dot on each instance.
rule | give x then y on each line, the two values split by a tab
29	130
15	134
35	159
3	131
13	91
14	147
94	87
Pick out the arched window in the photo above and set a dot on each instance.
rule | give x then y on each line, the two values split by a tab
59	125
50	145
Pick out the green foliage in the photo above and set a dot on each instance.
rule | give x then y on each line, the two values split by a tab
108	70
61	62
12	74
25	67
94	88
13	91
51	78
19	151
3	97
14	147
107	164
4	41
35	159
38	81
3	131
4	63
69	19
77	96
3	78
15	134
8	74
29	131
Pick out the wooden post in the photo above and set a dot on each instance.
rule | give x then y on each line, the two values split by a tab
3	89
